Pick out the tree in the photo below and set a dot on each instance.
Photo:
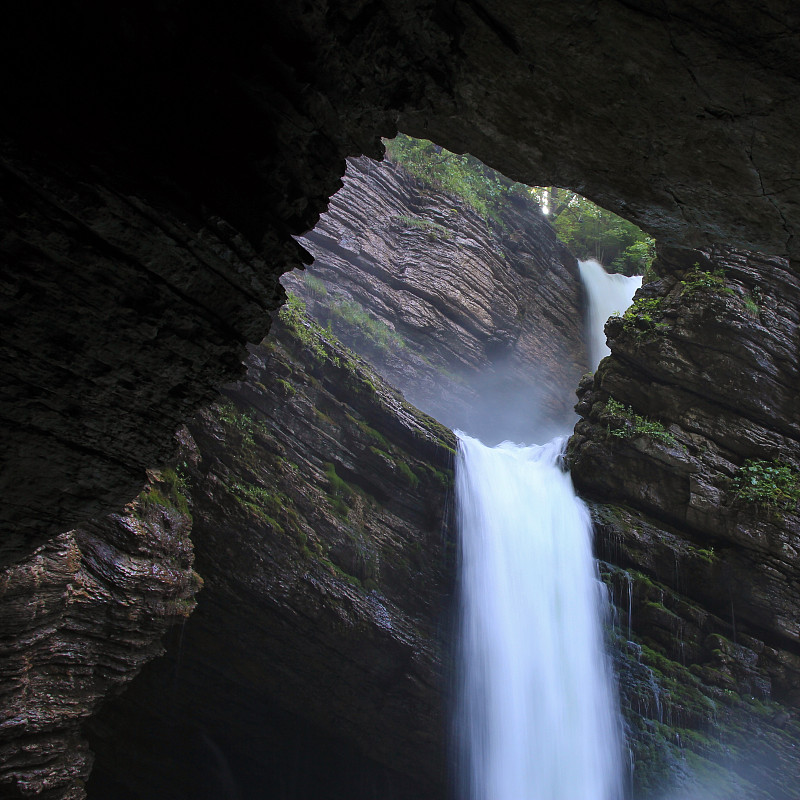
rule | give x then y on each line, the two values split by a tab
592	232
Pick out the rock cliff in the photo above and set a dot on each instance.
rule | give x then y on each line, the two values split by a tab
318	500
478	319
314	663
690	429
78	620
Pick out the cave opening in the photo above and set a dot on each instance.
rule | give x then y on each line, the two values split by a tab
374	286
390	280
340	293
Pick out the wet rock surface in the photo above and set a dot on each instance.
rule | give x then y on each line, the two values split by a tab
693	409
79	619
141	144
314	664
464	313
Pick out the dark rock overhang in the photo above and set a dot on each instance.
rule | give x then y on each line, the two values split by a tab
157	161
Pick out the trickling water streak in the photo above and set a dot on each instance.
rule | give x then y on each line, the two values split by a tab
608	294
629	581
537	711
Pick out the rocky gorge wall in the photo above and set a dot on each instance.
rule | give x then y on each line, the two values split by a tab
315	498
315	660
79	619
317	503
465	312
315	663
687	429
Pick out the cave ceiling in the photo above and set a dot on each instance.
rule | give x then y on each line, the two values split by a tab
157	158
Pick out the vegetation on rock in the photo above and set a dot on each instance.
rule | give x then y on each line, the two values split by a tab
293	315
625	423
480	187
768	483
588	230
644	318
434	228
697	280
167	489
592	232
376	332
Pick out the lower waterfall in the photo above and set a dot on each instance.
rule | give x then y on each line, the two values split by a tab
537	711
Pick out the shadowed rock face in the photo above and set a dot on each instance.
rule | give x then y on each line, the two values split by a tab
320	515
722	374
315	663
157	160
318	502
703	377
482	319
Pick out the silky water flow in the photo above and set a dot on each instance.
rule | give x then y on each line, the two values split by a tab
537	712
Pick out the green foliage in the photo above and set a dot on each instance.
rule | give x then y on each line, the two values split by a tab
374	435
480	187
338	485
706	554
643	318
434	228
286	388
699	280
170	491
294	317
444	479
628	424
268	505
751	306
340	490
314	286
767	483
374	330
240	421
588	230
592	232
407	473
178	489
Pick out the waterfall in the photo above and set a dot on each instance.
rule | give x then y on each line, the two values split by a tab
537	714
608	294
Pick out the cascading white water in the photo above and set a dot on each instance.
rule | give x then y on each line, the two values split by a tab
608	294
537	717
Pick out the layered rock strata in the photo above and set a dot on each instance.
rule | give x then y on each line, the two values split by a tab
146	150
79	619
314	664
693	415
465	313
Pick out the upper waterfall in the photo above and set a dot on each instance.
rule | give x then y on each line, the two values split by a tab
608	294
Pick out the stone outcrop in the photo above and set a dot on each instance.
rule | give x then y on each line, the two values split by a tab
146	151
684	426
91	257
465	313
78	619
314	663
